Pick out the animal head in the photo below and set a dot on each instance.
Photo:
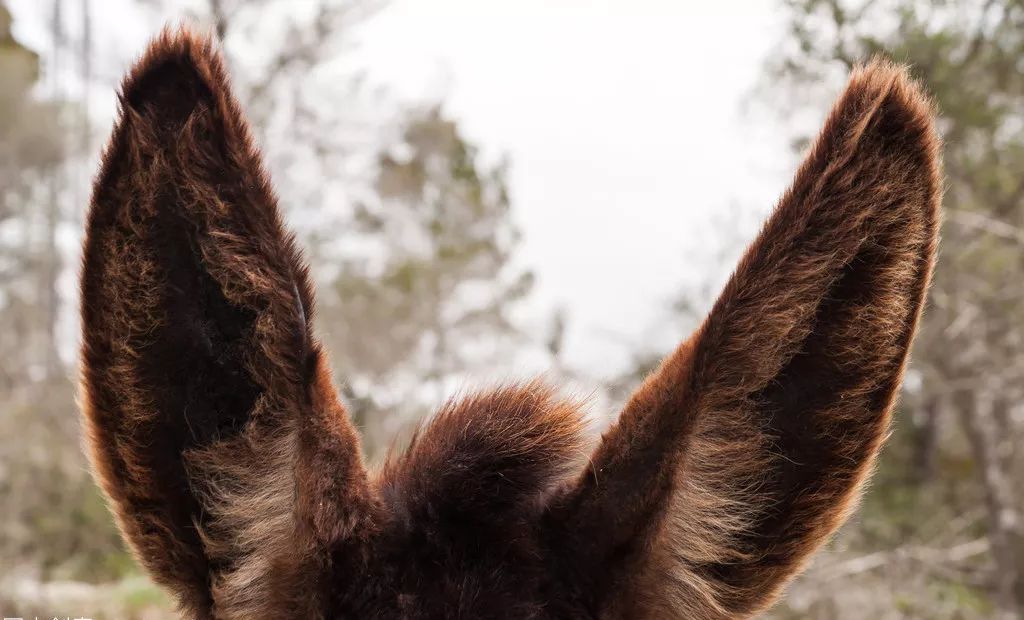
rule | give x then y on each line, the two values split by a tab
236	476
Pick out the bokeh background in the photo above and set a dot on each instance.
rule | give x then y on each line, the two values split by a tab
489	189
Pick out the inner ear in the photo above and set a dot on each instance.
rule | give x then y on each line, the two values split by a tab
812	379
199	356
822	411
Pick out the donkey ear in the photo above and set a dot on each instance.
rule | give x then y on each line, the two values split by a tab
745	450
206	398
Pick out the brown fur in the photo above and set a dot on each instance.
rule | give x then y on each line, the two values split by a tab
201	376
757	433
235	473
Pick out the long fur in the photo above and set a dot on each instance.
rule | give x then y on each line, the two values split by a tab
236	475
201	377
747	448
486	456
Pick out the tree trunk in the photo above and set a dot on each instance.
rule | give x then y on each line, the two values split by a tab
926	437
976	411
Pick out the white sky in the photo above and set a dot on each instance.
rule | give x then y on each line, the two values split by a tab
623	123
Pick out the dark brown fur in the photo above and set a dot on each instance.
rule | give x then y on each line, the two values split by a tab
235	473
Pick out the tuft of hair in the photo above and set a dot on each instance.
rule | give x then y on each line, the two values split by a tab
486	459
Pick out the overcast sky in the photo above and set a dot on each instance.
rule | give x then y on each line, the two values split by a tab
623	122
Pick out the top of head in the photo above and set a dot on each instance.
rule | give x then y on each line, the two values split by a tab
236	475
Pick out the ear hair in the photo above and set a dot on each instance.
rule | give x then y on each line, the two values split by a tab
198	355
745	450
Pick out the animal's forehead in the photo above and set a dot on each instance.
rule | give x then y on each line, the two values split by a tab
429	575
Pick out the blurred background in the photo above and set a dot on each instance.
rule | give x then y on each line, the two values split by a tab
489	190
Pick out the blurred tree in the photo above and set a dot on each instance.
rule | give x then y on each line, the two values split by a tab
307	106
54	521
31	153
948	499
428	292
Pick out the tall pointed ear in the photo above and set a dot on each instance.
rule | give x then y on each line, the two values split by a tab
746	449
207	401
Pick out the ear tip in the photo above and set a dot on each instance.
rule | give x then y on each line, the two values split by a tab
886	119
888	89
909	106
181	66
